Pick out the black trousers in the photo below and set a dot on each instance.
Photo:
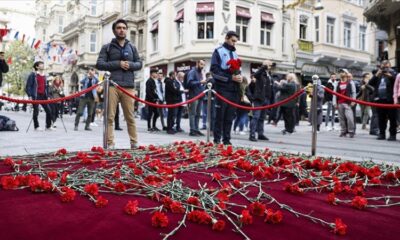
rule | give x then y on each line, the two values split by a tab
224	116
171	118
383	116
152	115
47	110
116	118
288	118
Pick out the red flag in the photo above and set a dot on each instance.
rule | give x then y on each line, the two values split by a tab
9	60
37	44
3	33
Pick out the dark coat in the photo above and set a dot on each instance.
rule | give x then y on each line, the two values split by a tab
375	81
31	86
3	69
262	88
287	90
151	91
173	93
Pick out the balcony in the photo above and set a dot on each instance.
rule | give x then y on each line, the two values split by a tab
380	12
305	46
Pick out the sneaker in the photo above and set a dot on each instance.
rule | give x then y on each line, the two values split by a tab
111	146
93	124
235	132
54	126
39	129
50	129
242	133
329	129
253	139
199	133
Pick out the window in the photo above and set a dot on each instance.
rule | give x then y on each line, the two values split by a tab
154	40
205	25
362	44
316	29
133	37
303	27
60	24
330	30
141	5
266	33
140	40
347	34
179	29
134	6
242	25
93	42
283	37
93	7
125	7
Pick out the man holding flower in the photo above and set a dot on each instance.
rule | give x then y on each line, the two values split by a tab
225	69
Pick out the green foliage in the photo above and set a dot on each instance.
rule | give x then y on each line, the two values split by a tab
22	61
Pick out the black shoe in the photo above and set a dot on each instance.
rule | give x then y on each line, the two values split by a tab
262	137
392	138
193	134
199	133
149	129
118	129
180	130
171	131
381	137
373	133
164	128
227	143
253	139
155	129
216	142
88	129
351	135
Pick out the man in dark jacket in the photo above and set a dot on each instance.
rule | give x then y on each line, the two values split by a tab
38	89
383	83
260	94
330	111
173	95
227	85
3	67
152	96
195	83
121	58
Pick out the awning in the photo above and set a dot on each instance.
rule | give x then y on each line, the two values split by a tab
179	16
207	7
267	17
154	27
243	12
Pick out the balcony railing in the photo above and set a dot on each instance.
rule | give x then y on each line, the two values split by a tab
306	46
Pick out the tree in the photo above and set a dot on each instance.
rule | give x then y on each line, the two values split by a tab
22	58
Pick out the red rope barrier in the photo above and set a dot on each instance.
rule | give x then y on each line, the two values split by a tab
260	107
48	101
160	105
371	104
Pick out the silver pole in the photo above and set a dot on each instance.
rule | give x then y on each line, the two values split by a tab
105	113
209	93
314	119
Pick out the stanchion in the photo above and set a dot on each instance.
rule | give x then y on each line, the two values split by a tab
209	86
314	119
105	113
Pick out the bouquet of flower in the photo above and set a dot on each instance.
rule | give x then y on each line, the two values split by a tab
234	66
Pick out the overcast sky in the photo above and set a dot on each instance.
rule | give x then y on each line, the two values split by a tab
18	21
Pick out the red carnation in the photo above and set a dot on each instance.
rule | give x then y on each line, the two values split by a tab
92	189
61	151
257	208
176	207
159	219
64	178
200	217
52	175
218	225
273	217
234	66
8	182
332	198
340	227
166	201
359	202
237	183
131	207
68	195
101	202
246	218
193	201
216	176
9	162
120	187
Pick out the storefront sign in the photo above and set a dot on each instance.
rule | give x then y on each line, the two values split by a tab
184	66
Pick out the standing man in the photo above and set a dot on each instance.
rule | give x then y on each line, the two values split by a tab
121	58
353	105
181	77
260	94
195	83
330	111
161	97
38	89
227	85
173	95
151	96
3	67
88	99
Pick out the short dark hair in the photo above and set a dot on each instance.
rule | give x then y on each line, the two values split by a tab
119	21
36	64
333	73
153	70
230	34
170	74
1	52
365	75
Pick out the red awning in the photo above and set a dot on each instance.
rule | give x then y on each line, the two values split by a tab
179	16
207	7
154	27
243	12
267	17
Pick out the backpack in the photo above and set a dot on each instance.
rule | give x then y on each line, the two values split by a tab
6	124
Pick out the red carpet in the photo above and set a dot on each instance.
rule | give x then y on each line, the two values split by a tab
42	215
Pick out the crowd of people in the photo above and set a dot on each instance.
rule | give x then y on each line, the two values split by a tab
262	88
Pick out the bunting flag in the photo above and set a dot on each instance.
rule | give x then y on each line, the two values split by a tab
16	35
36	46
9	60
33	41
3	33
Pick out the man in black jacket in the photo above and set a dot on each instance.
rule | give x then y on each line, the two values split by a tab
152	96
260	94
3	67
121	58
173	95
383	83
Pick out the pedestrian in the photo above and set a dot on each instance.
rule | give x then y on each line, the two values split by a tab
56	91
396	98
318	108
3	67
330	110
354	105
383	83
204	104
37	88
195	82
242	115
121	58
152	96
161	97
87	100
173	95
346	118
260	94
287	88
181	77
226	84
365	94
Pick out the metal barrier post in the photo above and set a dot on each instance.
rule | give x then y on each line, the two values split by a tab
105	113
209	94
314	119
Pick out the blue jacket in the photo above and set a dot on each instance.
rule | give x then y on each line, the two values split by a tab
31	86
220	70
85	83
193	83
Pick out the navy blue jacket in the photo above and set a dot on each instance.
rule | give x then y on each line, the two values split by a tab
193	83
31	86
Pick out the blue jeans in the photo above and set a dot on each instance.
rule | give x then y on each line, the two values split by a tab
241	118
194	115
257	123
330	114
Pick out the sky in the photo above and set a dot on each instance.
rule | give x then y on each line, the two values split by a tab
19	21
